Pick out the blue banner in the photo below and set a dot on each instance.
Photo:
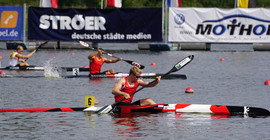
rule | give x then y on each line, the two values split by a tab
95	25
11	25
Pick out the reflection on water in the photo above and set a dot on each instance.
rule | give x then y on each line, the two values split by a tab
127	126
90	116
137	125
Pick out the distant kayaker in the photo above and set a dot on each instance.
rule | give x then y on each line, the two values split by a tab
128	85
96	62
16	57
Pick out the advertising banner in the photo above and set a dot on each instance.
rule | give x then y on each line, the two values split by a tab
219	25
95	25
11	25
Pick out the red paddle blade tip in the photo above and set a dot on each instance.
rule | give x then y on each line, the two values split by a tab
84	44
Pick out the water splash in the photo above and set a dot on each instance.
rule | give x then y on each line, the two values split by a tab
52	70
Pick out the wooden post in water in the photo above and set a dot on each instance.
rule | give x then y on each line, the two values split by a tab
58	44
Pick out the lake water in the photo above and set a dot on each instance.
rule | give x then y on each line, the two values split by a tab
238	80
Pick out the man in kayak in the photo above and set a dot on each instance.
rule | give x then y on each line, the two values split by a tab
16	58
96	62
128	85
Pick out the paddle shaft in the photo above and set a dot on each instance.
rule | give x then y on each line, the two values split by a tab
128	61
38	48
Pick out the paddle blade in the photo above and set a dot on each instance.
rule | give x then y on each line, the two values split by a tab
105	109
84	44
135	64
41	45
182	63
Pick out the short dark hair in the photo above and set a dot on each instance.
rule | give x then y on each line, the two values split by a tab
101	49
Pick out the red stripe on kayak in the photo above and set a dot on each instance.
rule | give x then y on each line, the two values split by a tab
111	75
42	109
220	109
180	106
26	110
66	109
127	109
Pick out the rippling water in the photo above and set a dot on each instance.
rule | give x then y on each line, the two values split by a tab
238	80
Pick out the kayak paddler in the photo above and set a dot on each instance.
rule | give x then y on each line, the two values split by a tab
16	57
96	62
128	85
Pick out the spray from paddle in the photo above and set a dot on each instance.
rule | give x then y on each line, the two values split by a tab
51	70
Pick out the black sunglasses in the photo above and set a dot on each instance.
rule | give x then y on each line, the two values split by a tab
136	75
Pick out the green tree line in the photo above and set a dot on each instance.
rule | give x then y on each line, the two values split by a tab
134	3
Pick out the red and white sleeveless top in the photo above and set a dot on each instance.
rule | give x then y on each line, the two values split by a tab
127	89
95	65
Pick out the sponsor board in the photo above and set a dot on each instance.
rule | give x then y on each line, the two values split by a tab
11	23
219	25
96	25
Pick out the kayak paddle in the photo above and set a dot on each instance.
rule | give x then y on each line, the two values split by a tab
128	61
176	67
41	45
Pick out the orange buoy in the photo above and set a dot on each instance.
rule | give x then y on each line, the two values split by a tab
72	53
221	59
189	90
153	63
85	66
2	72
267	82
1	57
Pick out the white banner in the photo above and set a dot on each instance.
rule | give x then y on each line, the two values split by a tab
219	25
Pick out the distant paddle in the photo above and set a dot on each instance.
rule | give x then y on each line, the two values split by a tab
128	61
41	45
176	67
